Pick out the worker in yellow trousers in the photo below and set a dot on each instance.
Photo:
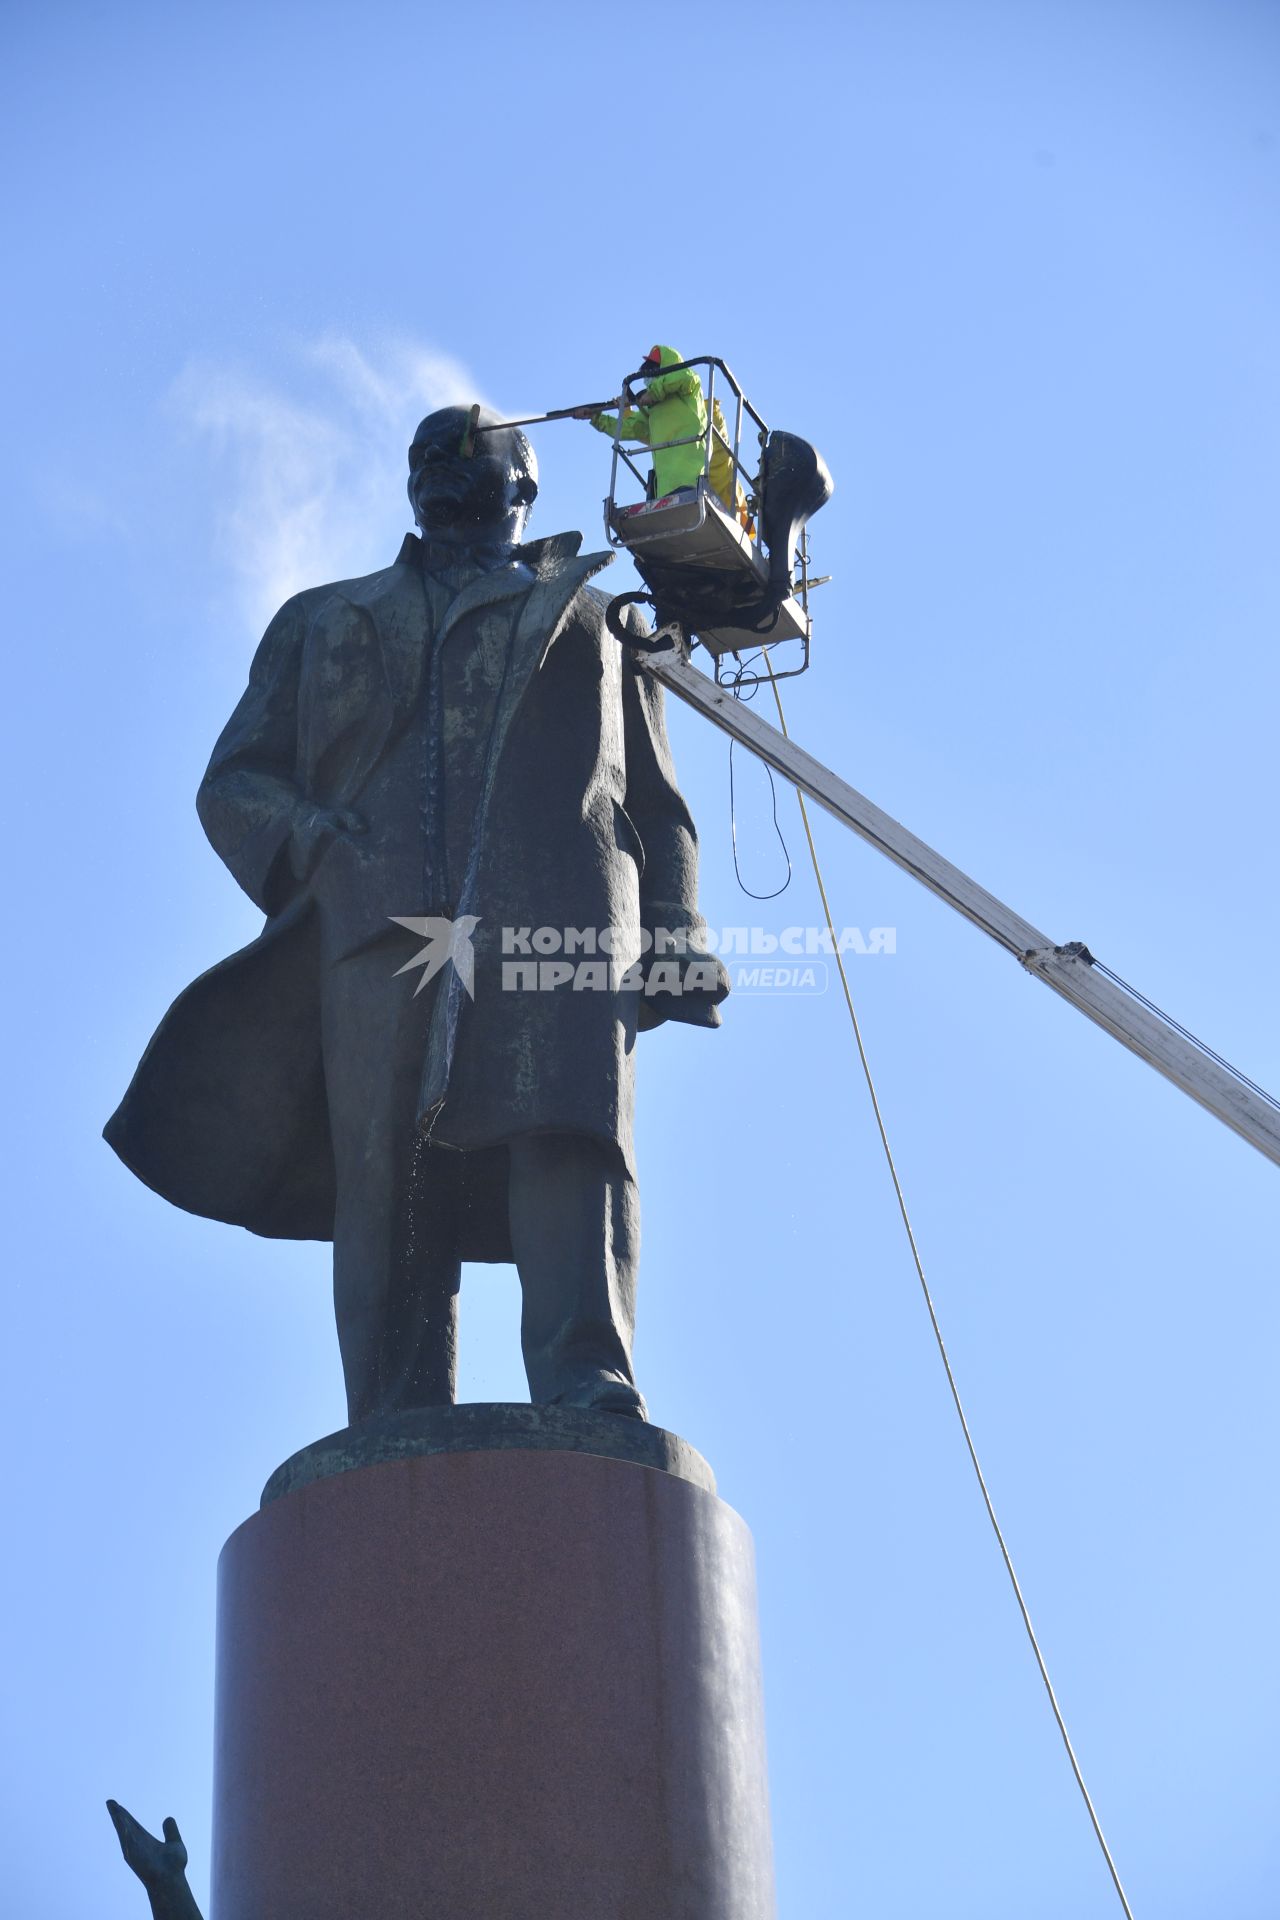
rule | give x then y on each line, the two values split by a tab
725	483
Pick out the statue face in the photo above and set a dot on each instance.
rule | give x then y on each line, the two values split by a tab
478	499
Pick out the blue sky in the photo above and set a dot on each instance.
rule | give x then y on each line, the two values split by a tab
1015	268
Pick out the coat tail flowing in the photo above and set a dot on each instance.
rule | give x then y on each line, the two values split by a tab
226	1114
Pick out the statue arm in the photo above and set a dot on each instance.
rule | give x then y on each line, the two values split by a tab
161	1865
248	802
669	881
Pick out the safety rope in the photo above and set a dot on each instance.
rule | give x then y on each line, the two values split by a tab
937	1330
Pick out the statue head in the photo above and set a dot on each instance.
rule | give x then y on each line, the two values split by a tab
479	499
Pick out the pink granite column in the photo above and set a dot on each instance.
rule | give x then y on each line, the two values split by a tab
509	1685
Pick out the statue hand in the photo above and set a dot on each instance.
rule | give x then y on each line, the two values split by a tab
701	985
157	1863
315	832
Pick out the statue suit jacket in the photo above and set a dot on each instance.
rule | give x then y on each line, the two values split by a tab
579	824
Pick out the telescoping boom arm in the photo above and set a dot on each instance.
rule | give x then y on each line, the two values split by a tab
1071	970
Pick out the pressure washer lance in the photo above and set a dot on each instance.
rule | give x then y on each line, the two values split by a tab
468	446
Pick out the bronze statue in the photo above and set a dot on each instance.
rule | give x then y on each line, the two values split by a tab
161	1865
453	749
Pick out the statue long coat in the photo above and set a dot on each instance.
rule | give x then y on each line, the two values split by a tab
579	825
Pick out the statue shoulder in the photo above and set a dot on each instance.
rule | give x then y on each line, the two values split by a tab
365	590
594	598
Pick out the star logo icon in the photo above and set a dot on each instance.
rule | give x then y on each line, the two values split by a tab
447	940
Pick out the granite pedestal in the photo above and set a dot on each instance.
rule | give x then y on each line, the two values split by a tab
466	1678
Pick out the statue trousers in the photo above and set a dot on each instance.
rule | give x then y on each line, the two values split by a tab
573	1214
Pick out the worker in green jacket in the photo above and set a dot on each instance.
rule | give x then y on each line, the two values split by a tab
671	407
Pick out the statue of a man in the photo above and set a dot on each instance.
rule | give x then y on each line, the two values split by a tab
454	749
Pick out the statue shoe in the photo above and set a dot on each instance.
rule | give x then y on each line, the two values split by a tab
604	1392
616	1396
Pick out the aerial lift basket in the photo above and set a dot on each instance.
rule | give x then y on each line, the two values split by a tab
726	562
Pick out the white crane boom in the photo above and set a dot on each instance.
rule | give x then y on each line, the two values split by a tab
1071	970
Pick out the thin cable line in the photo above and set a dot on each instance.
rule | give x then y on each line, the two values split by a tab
1187	1034
733	836
736	688
937	1332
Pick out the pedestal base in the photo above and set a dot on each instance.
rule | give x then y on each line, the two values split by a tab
494	1685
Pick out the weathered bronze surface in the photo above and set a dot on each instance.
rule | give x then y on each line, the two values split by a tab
489	1427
